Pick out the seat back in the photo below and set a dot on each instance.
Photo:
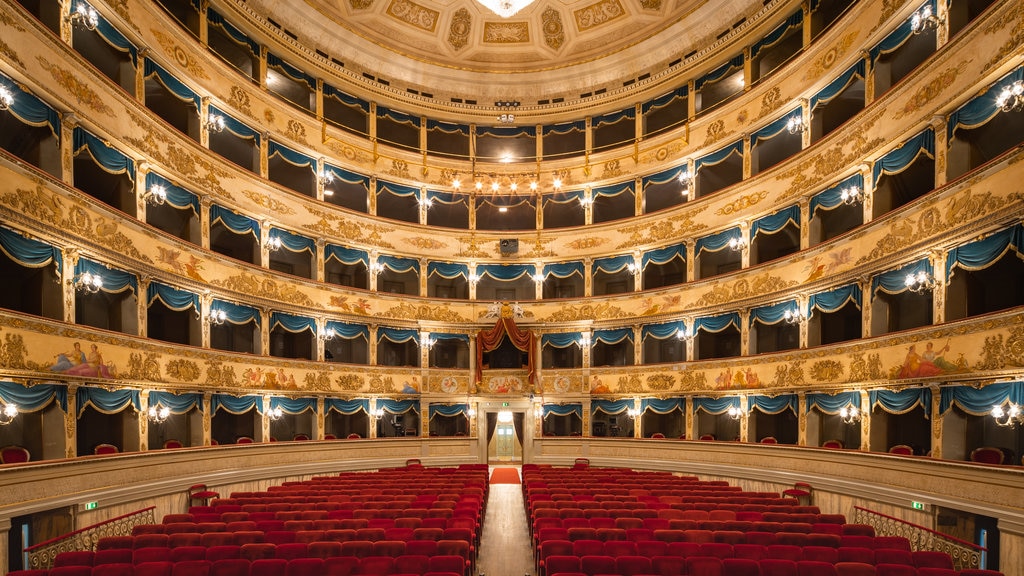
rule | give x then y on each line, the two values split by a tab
14	455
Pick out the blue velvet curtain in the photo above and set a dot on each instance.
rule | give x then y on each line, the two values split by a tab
114	280
290	71
775	128
290	156
506	131
349	256
896	38
610	406
662	331
397	264
176	195
777	34
345	98
897	160
348	331
398	117
980	401
448	270
235	222
773	405
833	197
982	253
447	127
718	323
28	252
397	335
902	401
293	242
836	87
447	410
30	109
293	405
564	197
773	313
663	406
612	189
560	339
111	34
832	403
774	222
292	323
716	242
983	108
718	156
174	298
235	404
348	177
663	255
449	198
564	269
397	189
664	99
346	407
613	117
236	127
612	264
505	272
450	336
108	158
563	409
835	299
564	128
107	401
720	72
613	336
399	406
716	406
214	17
663	177
894	281
236	313
173	85
176	403
33	398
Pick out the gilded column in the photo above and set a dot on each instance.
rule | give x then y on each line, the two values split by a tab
321	419
638	198
206	302
941	150
638	348
801	407
586	417
373	196
423	275
207	414
265	332
143	421
424	417
869	78
142	306
588	282
805	222
744	419
68	274
68	123
865	307
691	261
140	190
204	221
747	152
745	332
936	416
868	193
373	410
320	258
938	261
638	423
140	78
688	411
264	151
71	423
265	420
865	422
373	345
942	34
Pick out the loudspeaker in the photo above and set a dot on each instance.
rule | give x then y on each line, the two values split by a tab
508	245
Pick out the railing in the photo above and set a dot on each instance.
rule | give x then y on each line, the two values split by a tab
965	555
40	556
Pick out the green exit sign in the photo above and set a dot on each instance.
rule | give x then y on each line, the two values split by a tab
504	404
917	505
91	505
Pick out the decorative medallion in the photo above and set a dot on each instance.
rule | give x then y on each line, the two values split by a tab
360	4
506	32
834	54
272	205
554	33
413	14
929	91
458	32
597	14
181	56
653	5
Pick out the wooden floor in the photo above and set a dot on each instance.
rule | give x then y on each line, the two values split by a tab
505	548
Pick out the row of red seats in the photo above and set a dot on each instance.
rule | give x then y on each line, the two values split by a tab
246	522
370	566
712	566
581	528
467	533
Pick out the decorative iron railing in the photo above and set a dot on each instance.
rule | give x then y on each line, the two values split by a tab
964	554
40	556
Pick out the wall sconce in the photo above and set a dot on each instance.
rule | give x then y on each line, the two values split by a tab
6	98
737	243
473	279
538	411
427	342
584	340
1011	98
923	20
795	125
850	414
274	243
376	414
685	335
505	416
633	268
470	411
214	123
1008	418
158	414
156	195
586	201
9	413
920	283
376	268
556	183
851	195
426	202
326	335
84	16
735	413
216	317
633	413
685	179
795	316
88	283
275	413
324	177
538	278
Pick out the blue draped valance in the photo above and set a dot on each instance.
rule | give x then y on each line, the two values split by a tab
776	35
613	336
980	401
345	98
174	298
610	406
108	158
290	156
716	406
982	253
663	406
663	177
560	339
835	299
30	109
398	117
664	99
832	403
347	176
773	405
176	403
28	252
902	401
612	264
293	405
398	406
109	33
717	242
448	270
563	269
894	281
348	331
663	255
897	37
662	331
235	404
505	272
214	17
897	160
290	71
33	398
776	127
243	131
836	87
234	221
446	410
173	85
773	313
507	131
398	264
613	117
397	335
447	197
450	336
107	401
612	189
772	223
447	127
397	189
720	72
833	197
293	242
983	108
564	128
292	323
564	197
236	313
346	407
176	195
570	409
718	156
718	323
348	256
114	280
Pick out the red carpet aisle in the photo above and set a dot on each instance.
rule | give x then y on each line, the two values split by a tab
505	476
505	548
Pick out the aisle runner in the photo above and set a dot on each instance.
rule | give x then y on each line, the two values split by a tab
505	476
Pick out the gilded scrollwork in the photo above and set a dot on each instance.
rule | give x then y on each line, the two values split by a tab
693	381
13	352
423	312
630	384
789	375
144	366
827	370
220	375
272	205
458	31
181	55
183	370
425	243
82	92
600	311
660	382
266	288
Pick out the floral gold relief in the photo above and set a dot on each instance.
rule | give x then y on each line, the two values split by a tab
925	94
824	63
82	92
180	55
413	14
272	205
506	32
458	32
827	370
597	14
554	32
425	243
742	203
183	370
10	55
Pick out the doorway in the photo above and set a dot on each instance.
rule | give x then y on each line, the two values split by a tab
505	436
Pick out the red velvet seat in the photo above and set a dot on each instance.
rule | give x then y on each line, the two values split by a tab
895	570
69	571
778	567
257	551
191	568
305	567
74	558
268	567
151	554
162	569
741	567
668	565
929	559
14	455
112	556
632	565
558	564
105	449
854	569
815	568
820	554
185	553
893	556
704	566
376	565
341	566
597	564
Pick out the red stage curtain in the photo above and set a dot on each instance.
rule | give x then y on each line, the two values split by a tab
489	340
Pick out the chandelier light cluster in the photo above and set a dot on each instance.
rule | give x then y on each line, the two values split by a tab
924	19
795	316
505	8
89	283
84	16
216	317
851	195
735	413
850	414
8	414
6	98
920	283
1009	417
1011	98
157	195
275	413
158	414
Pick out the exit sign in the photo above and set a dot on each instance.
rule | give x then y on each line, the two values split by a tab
504	404
91	505
917	505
